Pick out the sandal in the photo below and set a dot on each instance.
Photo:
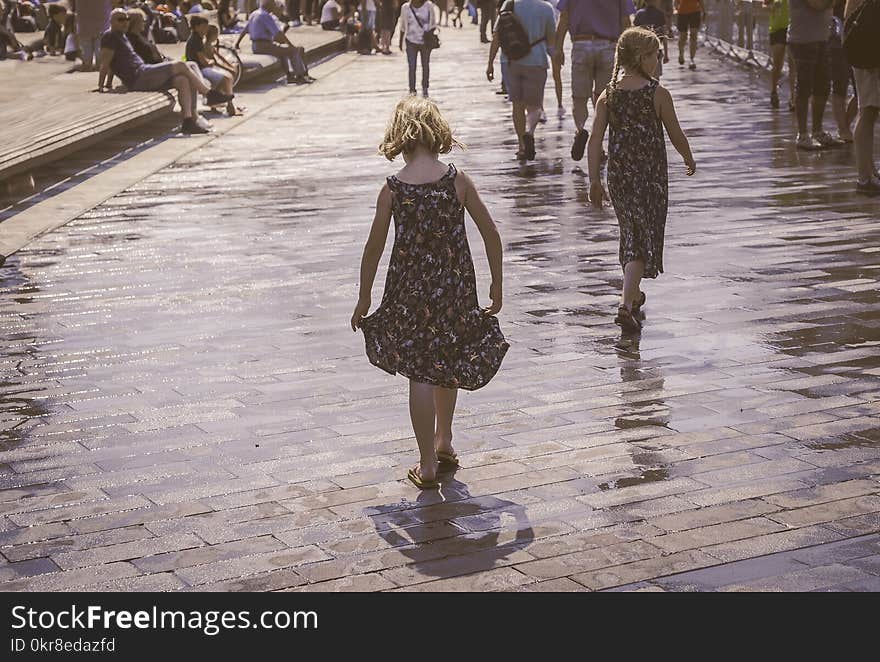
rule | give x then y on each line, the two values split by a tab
447	461
626	321
637	306
421	483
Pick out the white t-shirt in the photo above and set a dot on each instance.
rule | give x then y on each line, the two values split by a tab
327	11
414	32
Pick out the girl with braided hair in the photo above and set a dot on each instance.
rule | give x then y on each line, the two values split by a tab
637	108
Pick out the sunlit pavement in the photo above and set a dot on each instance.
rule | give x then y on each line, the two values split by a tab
185	408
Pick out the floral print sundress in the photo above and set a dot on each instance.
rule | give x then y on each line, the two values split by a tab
429	326
637	176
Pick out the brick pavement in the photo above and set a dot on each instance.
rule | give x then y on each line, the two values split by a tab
184	408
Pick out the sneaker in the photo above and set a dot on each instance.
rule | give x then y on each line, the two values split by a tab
296	80
529	146
296	23
825	139
681	59
580	144
202	122
806	142
871	187
190	127
844	138
543	117
692	66
774	100
215	98
560	112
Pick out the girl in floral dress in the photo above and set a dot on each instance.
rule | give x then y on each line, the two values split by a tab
429	326
637	108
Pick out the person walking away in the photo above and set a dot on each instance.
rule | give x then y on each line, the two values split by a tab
385	19
841	74
690	14
862	25
429	327
268	38
636	108
594	26
808	31
92	20
778	26
487	18
416	18
556	69
527	67
652	17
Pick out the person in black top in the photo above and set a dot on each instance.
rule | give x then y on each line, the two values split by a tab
55	34
651	16
147	50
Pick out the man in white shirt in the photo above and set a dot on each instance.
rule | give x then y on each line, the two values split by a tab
330	14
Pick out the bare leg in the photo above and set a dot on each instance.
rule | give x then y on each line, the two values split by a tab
864	142
180	69
557	82
533	115
818	112
580	112
519	121
632	278
838	107
444	406
777	53
693	44
421	413
682	40
184	96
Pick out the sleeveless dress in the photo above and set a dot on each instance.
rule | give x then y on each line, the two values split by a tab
637	176
429	326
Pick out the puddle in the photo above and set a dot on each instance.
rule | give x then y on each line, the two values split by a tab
648	476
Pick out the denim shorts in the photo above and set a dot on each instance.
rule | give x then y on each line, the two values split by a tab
592	63
153	77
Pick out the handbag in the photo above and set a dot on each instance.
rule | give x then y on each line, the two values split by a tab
431	38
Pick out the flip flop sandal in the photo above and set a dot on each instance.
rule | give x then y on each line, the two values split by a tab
448	461
419	482
637	305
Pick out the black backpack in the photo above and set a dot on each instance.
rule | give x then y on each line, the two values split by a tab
860	32
512	35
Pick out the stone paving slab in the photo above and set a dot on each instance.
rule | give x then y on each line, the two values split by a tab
183	407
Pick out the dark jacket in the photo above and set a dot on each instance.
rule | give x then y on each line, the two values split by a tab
147	51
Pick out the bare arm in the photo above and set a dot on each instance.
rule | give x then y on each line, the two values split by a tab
493	51
561	29
491	238
594	151
105	76
673	129
372	254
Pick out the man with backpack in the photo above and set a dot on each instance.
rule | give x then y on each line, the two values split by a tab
594	26
861	28
524	31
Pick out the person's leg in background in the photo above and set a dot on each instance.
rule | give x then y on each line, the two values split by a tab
821	87
426	69
412	52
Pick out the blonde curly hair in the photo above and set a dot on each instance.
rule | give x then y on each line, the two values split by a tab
417	121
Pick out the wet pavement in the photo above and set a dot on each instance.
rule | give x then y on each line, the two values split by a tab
183	406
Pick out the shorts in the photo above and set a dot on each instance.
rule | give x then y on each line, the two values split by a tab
592	63
691	21
215	76
812	64
868	87
779	37
525	84
153	77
